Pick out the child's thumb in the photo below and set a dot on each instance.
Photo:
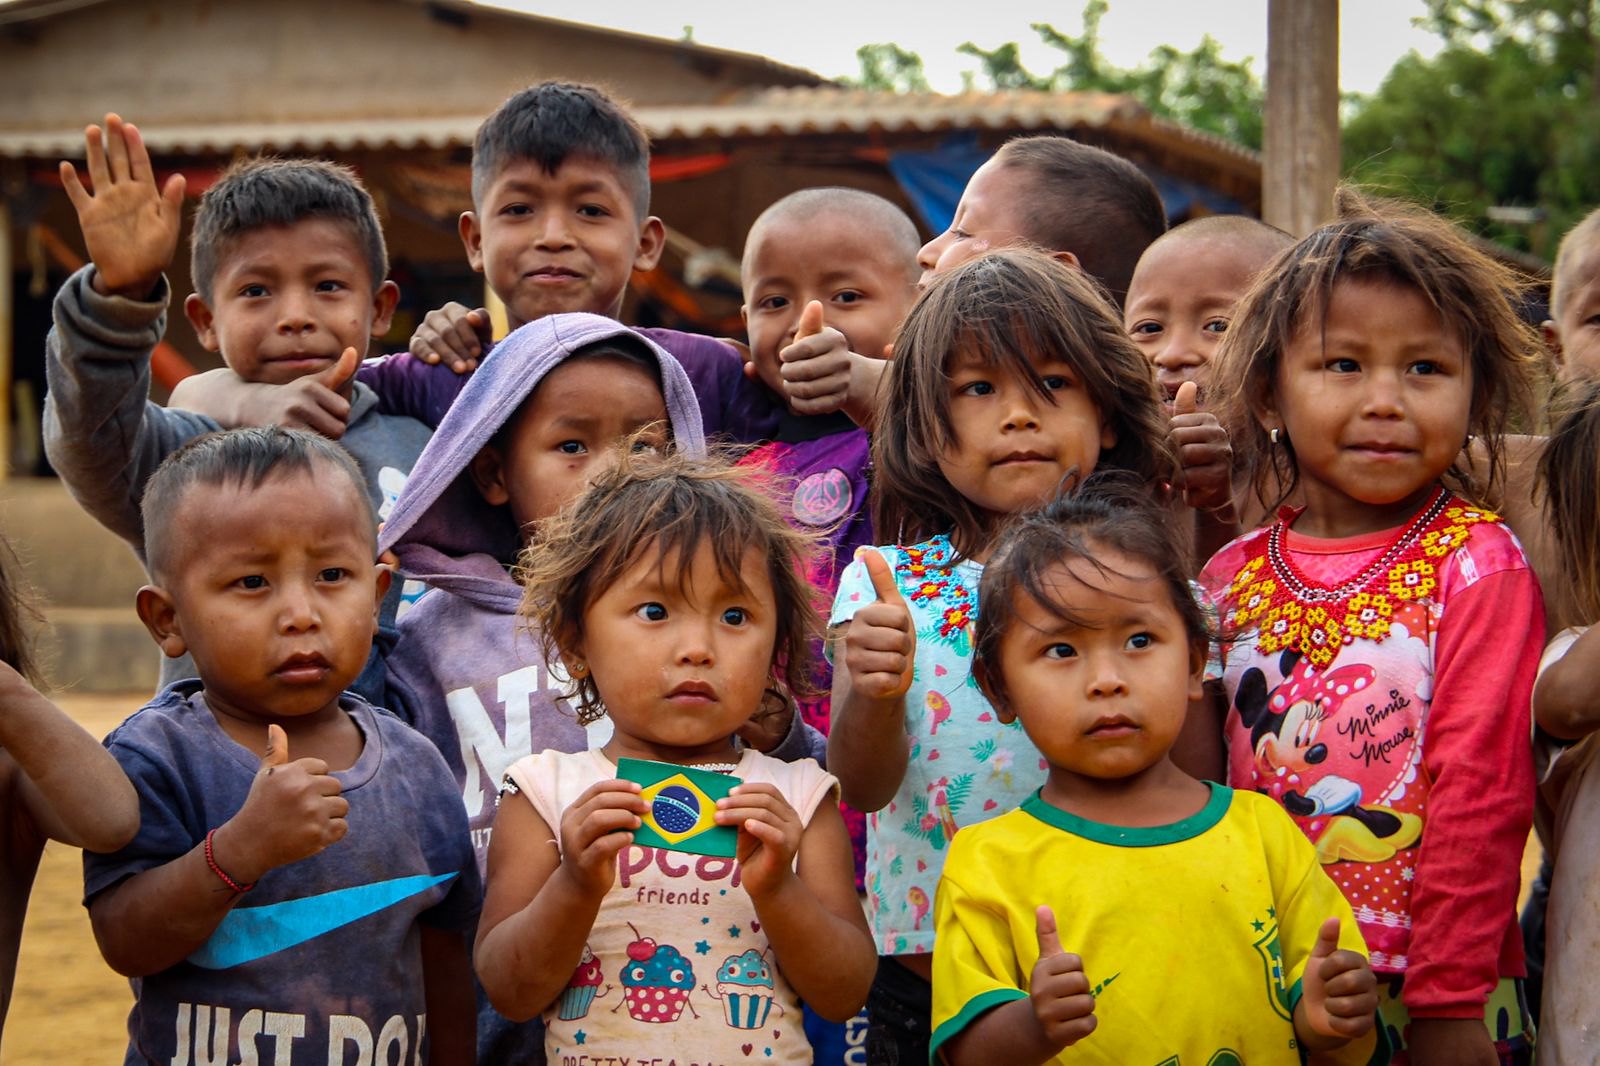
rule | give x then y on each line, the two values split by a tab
1187	401
1049	938
277	748
1327	939
335	376
810	321
879	574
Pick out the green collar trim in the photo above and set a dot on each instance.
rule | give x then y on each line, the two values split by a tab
1123	836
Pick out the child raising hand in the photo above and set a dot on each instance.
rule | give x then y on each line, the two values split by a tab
1198	917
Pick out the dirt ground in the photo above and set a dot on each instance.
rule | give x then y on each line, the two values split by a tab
68	1007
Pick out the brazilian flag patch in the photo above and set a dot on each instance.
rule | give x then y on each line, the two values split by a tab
682	805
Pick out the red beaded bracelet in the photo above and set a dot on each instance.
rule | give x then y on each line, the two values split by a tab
230	882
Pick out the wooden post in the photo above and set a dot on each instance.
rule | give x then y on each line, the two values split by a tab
1300	157
8	333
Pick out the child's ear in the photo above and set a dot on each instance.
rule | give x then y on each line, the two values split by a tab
1002	710
488	472
384	577
1552	341
384	301
160	616
471	239
1068	258
200	317
1197	674
652	242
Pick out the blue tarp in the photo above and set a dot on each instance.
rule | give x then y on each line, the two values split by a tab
933	180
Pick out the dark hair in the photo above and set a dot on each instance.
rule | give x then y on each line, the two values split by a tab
1388	244
880	217
1089	202
1109	513
555	120
256	193
663	506
18	616
1569	472
627	347
1009	308
238	458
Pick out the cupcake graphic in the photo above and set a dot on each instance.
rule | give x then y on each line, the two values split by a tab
657	980
744	984
582	990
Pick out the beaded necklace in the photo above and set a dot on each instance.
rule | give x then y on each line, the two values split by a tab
1293	612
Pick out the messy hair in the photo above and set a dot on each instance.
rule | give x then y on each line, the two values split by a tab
553	121
240	458
18	617
665	508
256	193
1109	513
1009	308
1090	202
1388	244
1569	472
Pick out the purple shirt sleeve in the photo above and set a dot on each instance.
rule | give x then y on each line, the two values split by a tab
407	386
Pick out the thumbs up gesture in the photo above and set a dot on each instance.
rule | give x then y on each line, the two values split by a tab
816	366
1060	995
1203	451
293	811
880	645
1340	993
317	402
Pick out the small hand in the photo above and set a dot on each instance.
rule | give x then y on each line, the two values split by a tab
318	402
769	835
880	644
294	810
1203	451
129	228
1339	990
1450	1042
454	335
816	367
1059	989
595	829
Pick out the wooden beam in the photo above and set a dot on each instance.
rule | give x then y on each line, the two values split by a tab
1300	157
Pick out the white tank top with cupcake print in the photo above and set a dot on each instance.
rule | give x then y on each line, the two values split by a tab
677	963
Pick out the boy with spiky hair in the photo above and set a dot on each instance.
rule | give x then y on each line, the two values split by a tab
290	272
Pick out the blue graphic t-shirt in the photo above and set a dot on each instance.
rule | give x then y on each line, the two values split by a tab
321	961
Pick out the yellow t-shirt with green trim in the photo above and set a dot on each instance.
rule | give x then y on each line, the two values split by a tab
1193	935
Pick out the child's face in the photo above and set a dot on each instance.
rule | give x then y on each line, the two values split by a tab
567	434
991	215
288	300
1104	700
567	241
1013	446
1181	301
864	286
1575	336
1376	400
273	591
680	665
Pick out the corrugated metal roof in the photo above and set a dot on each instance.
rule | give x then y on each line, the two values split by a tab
754	114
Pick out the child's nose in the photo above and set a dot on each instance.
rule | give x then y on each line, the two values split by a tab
1021	410
294	313
555	232
928	254
1105	679
1179	352
297	608
1384	396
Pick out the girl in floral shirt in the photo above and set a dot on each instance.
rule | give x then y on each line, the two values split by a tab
1011	379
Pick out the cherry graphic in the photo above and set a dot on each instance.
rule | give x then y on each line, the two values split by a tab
642	949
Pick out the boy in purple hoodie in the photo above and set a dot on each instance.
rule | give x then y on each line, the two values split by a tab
547	412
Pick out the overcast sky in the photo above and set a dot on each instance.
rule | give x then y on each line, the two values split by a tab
823	35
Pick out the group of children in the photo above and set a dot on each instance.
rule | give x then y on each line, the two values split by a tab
1115	806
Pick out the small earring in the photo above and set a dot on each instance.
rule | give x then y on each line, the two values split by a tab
1470	438
1272	434
580	668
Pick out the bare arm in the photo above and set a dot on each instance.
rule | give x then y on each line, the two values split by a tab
542	901
160	916
452	1006
1565	702
811	915
316	402
868	749
70	786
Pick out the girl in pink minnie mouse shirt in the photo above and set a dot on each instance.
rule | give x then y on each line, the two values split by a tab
1380	642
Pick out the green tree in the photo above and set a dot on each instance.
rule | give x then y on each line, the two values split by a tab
1199	88
890	68
1506	114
